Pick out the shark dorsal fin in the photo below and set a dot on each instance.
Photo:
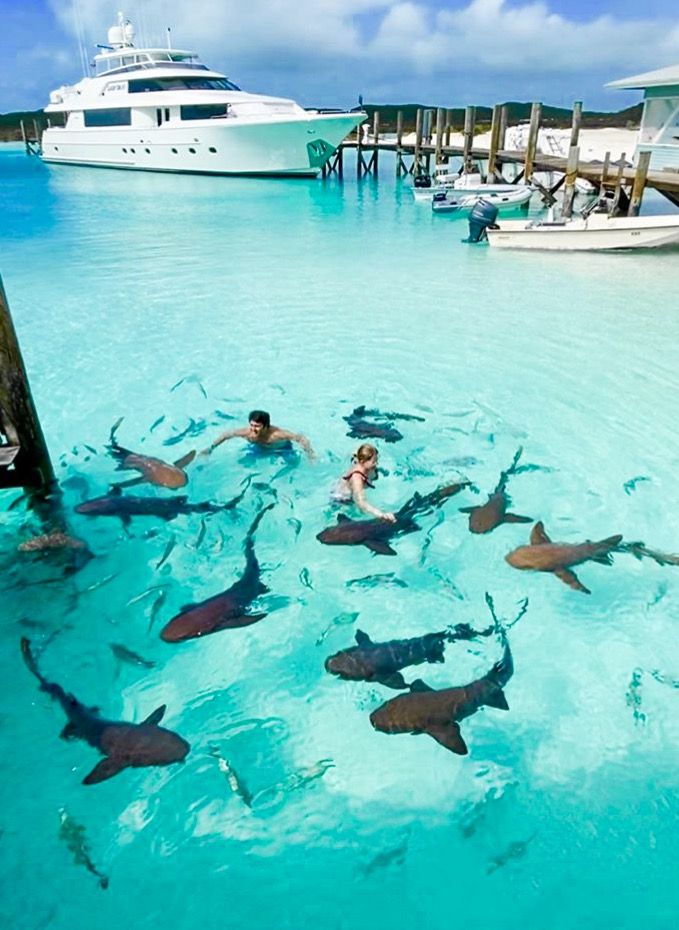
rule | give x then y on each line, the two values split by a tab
419	687
343	518
103	770
362	638
185	459
538	535
156	716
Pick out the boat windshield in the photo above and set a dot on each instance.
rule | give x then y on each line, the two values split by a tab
133	59
146	85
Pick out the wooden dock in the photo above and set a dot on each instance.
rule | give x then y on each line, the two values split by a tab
415	156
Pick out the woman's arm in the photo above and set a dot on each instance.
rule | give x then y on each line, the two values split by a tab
357	486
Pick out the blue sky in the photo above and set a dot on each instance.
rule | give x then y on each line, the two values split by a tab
326	52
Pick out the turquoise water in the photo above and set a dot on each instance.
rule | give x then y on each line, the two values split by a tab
308	298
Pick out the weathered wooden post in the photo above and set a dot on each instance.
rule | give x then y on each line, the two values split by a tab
469	120
532	145
18	416
503	127
376	141
449	127
576	122
418	142
604	173
494	142
400	167
439	135
639	183
617	194
571	176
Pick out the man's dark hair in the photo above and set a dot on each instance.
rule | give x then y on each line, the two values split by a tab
260	416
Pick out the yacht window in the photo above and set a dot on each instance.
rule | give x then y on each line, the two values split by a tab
118	117
146	85
204	111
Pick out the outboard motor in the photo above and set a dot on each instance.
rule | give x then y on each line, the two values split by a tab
482	216
422	180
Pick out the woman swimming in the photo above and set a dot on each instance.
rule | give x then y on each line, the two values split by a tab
351	486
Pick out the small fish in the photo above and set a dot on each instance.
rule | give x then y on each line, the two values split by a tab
190	379
295	780
452	587
371	581
101	582
631	485
224	416
90	449
236	783
144	594
514	851
201	535
155	607
633	696
73	835
171	543
132	658
660	593
279	388
296	525
340	620
429	536
305	578
156	423
394	856
663	679
195	428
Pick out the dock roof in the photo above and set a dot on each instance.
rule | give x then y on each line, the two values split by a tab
659	78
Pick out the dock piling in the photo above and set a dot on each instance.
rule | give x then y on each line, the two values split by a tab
493	173
469	121
639	183
571	177
25	461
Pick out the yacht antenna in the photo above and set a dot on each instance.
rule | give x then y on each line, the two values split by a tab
169	38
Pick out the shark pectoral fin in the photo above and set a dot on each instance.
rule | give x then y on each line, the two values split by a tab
515	518
496	698
396	681
185	459
69	732
419	686
571	579
103	770
343	518
603	558
362	638
156	716
450	737
379	546
538	536
467	509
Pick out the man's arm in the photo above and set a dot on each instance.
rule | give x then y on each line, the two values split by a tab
300	439
229	434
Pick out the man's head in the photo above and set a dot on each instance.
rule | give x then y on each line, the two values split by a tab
259	420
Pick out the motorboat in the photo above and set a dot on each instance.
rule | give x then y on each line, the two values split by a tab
162	109
586	233
462	201
468	184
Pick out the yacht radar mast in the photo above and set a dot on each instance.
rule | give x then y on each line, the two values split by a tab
122	35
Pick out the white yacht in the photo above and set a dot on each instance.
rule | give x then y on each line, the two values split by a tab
161	109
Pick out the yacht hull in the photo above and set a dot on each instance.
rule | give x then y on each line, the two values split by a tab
284	147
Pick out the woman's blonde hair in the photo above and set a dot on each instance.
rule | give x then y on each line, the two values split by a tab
364	453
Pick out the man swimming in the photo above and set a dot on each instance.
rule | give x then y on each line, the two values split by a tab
261	432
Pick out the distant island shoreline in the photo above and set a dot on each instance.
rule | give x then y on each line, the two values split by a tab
554	117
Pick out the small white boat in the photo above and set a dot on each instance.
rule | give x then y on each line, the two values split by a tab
596	232
470	184
454	201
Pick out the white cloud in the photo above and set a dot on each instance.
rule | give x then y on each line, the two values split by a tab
487	34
